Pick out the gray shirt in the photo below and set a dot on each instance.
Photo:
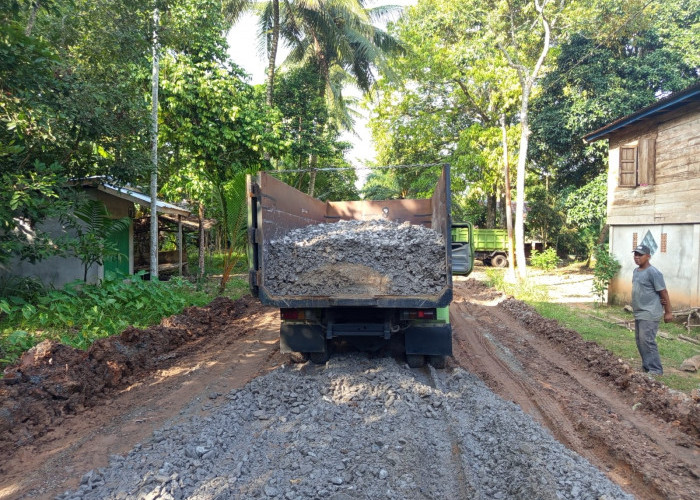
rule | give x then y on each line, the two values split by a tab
646	285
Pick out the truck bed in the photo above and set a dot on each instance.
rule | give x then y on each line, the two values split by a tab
275	208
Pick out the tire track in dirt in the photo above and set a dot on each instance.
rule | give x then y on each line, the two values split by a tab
644	455
189	382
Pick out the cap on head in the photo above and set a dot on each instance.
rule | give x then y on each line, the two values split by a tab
642	249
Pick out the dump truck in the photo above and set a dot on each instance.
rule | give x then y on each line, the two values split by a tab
339	273
488	245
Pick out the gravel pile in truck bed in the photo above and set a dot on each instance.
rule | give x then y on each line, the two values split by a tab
376	257
355	428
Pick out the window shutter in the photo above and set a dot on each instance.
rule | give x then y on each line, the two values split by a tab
647	161
628	166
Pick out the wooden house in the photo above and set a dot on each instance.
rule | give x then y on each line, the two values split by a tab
654	193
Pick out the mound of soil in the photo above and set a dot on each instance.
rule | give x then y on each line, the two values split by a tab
642	390
51	380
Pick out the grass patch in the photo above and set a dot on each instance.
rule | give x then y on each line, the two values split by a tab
527	291
597	323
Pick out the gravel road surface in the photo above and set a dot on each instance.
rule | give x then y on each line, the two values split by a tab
357	427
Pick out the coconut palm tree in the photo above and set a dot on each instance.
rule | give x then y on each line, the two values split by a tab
336	36
341	41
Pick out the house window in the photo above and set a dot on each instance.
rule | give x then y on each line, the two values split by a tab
634	240
637	163
664	242
628	167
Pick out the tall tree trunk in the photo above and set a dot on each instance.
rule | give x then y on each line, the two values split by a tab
272	57
313	162
491	211
509	212
154	148
527	80
520	186
32	17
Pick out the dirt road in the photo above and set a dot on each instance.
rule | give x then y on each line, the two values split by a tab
643	437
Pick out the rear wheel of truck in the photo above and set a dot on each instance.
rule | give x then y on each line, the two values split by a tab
319	358
415	360
438	362
298	357
499	261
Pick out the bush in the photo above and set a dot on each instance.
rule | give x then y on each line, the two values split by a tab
80	313
546	260
606	267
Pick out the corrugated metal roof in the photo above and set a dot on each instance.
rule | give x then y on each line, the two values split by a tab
103	184
665	104
142	199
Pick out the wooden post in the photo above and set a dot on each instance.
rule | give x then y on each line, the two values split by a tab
201	240
179	243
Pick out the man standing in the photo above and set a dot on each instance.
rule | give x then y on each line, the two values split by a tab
650	302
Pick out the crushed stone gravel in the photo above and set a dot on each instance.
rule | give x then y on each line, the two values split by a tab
357	427
355	258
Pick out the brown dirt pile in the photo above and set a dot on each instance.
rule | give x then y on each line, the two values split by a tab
671	406
52	380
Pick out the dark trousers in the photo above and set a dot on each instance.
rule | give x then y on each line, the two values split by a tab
645	335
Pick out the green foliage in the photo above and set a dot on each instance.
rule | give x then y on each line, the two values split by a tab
546	260
29	196
586	210
311	131
526	290
233	202
544	218
81	313
615	59
93	228
17	288
606	267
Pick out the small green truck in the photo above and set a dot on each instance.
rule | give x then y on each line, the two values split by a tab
488	245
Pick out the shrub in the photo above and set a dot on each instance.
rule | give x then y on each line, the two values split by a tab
80	313
546	260
606	267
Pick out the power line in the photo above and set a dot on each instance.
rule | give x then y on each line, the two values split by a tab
335	169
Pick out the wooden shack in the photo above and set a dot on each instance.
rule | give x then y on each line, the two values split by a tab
654	193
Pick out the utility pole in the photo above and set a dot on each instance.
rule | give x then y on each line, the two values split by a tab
154	147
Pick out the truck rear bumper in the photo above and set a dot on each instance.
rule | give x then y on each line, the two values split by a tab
431	340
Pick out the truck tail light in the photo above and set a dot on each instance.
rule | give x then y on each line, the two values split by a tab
420	314
292	314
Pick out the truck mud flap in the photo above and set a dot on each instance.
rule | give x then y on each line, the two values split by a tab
301	338
429	340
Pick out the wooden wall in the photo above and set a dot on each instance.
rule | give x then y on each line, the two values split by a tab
672	195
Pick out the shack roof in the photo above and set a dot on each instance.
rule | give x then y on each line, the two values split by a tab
668	103
130	194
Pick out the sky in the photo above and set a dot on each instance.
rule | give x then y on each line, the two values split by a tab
243	50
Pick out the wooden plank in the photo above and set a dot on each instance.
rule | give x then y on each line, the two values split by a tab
688	138
672	126
680	151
